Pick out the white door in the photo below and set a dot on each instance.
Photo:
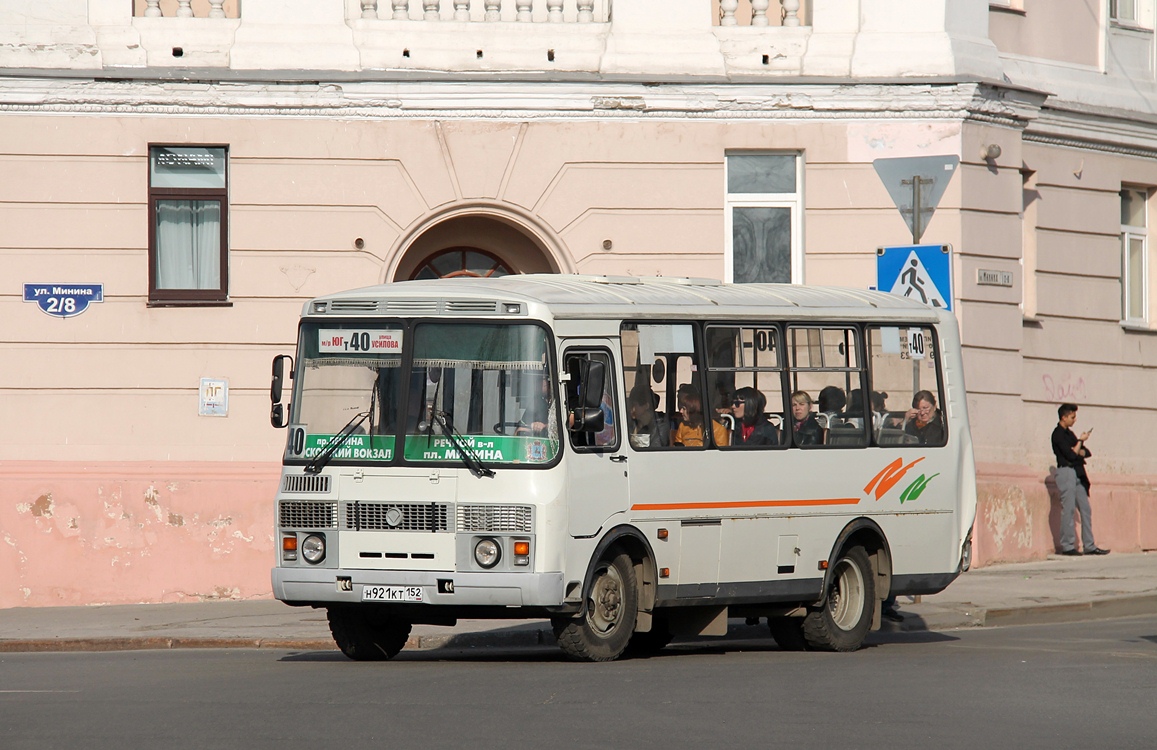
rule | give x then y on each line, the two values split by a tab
597	489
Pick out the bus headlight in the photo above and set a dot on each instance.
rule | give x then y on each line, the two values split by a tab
313	548
487	553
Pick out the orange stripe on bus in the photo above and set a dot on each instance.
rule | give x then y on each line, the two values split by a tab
748	504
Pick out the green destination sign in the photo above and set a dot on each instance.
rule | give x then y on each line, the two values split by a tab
489	449
356	448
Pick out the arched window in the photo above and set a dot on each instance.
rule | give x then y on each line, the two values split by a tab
460	261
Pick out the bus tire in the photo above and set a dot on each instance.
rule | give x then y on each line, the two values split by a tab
842	621
643	645
788	633
365	636
603	631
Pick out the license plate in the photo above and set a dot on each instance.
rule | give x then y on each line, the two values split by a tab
392	593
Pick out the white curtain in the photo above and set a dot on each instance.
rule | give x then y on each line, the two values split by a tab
188	244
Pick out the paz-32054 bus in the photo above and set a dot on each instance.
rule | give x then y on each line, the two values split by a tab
632	459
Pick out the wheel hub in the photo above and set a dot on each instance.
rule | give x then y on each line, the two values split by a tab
606	602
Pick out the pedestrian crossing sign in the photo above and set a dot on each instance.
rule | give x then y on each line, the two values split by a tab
919	272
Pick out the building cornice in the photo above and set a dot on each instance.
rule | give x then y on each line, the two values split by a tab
522	99
1074	125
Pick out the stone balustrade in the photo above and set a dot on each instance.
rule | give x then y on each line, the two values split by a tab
488	11
187	8
760	12
725	12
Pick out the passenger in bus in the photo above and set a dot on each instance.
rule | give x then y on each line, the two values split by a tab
752	426
923	420
879	408
691	431
805	429
855	411
648	429
832	400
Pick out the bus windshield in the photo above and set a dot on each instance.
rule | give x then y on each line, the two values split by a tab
347	370
483	387
491	384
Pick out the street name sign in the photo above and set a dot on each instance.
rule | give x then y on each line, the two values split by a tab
63	300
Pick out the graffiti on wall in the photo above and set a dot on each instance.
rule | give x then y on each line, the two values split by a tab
1064	389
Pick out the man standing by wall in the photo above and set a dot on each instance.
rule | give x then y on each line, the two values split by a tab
1073	483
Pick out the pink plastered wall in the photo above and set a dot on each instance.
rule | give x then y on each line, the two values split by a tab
120	533
1018	513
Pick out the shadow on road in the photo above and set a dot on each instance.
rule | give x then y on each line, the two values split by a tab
515	645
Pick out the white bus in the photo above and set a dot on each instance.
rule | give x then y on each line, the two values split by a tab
629	458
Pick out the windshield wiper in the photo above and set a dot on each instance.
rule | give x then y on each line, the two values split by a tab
465	452
321	459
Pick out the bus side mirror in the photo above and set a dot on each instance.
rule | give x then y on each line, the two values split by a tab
594	379
587	420
589	377
277	416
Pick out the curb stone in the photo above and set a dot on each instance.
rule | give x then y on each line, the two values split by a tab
914	621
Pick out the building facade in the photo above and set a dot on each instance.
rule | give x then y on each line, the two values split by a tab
213	163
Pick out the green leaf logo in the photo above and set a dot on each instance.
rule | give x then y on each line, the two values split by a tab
914	490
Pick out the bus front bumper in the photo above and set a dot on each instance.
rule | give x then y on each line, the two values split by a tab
319	585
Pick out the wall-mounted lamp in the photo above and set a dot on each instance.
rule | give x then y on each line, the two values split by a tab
990	152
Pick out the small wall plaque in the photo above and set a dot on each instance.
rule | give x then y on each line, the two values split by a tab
987	277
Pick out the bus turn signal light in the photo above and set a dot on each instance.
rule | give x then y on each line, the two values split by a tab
522	549
289	543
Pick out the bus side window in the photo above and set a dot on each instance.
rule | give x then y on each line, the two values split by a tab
904	370
825	361
745	384
656	358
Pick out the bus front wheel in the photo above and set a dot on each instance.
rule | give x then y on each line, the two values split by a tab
604	630
364	635
842	621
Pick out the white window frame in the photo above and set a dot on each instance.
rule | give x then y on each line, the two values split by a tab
792	201
1142	17
1129	233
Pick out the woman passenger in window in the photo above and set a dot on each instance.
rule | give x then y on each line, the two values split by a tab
690	432
752	426
804	426
923	420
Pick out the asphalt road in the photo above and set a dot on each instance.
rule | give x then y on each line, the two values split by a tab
1091	684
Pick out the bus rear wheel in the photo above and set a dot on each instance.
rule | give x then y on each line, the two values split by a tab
843	620
364	635
604	630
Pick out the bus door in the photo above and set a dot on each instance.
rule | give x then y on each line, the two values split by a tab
596	468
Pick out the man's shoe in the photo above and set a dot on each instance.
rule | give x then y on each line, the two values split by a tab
893	615
1096	551
1070	552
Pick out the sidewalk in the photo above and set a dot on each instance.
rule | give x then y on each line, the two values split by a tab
1059	589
